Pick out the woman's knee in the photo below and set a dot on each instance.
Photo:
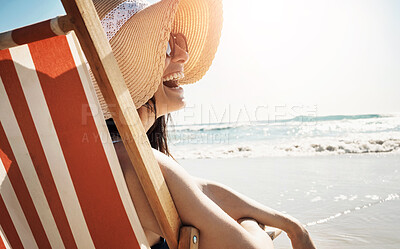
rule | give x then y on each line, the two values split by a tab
260	236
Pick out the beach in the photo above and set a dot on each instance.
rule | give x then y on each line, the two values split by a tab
345	201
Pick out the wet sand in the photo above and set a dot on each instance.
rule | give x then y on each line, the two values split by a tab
346	201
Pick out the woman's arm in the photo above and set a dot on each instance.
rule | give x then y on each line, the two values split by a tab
239	206
217	229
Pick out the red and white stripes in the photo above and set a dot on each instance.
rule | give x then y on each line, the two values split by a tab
61	183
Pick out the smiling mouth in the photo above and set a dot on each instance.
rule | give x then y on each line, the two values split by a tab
172	81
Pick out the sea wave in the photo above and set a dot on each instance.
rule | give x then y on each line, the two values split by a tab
336	117
295	120
306	147
207	127
339	134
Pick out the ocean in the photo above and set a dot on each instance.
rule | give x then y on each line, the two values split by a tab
299	136
339	175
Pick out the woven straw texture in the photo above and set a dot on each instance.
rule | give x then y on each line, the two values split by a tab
140	45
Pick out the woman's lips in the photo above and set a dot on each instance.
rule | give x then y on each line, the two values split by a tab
171	83
173	86
173	76
176	90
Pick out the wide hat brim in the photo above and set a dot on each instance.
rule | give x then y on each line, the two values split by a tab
140	45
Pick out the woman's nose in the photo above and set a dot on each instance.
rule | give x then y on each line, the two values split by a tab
180	56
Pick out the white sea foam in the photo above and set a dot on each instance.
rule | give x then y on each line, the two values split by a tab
353	197
304	147
315	199
372	197
376	200
349	135
340	198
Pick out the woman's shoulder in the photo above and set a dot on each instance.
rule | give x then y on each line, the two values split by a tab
169	166
164	160
160	156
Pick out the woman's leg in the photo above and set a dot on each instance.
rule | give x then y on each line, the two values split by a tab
239	206
218	229
252	227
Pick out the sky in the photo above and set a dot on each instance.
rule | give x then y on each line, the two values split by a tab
284	58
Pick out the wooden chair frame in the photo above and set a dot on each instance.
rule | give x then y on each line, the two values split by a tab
82	18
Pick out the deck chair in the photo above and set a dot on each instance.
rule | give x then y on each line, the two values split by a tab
61	185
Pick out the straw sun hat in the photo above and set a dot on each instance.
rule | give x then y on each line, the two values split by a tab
139	35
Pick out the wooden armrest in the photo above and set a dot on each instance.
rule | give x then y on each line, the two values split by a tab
188	238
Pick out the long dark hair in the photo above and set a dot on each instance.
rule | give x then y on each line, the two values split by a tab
157	134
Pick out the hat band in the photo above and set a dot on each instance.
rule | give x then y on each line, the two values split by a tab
113	20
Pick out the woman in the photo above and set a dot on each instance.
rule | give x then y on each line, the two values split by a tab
154	61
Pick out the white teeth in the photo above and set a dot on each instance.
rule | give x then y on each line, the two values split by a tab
174	76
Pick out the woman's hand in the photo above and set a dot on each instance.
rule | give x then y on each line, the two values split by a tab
300	238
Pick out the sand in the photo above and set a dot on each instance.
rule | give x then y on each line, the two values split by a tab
346	201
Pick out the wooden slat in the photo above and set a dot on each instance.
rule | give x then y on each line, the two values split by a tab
57	26
105	69
64	24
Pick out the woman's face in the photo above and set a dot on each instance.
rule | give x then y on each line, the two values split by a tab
169	95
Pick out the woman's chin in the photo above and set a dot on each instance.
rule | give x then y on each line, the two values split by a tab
177	105
183	104
174	92
175	98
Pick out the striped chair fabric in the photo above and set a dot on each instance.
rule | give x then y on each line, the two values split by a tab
61	185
